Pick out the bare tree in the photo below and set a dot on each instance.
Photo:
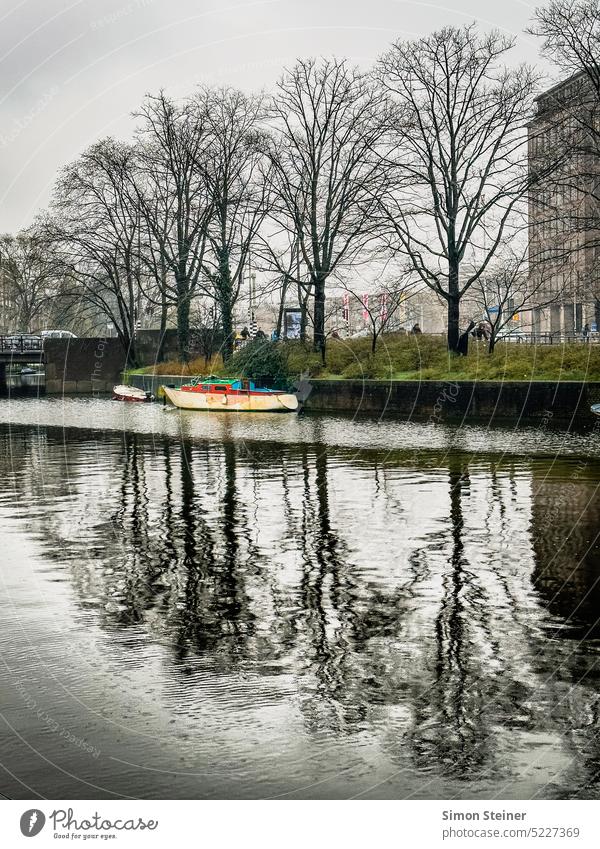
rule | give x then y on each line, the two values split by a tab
235	194
29	278
381	307
94	235
570	30
328	122
460	171
205	334
172	193
516	283
278	255
160	290
285	263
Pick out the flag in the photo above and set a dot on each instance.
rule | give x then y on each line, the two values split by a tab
383	309
346	308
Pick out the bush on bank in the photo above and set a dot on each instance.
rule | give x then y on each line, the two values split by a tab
260	358
400	357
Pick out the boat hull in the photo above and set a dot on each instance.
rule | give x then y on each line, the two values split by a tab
236	402
130	393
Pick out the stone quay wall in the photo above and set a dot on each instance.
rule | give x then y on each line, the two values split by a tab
461	399
438	400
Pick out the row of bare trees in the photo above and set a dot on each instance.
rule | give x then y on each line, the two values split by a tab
420	163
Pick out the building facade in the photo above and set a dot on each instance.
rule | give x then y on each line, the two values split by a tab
563	210
350	315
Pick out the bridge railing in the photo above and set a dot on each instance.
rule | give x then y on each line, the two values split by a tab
21	344
555	338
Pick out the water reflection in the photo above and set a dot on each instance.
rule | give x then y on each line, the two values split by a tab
436	625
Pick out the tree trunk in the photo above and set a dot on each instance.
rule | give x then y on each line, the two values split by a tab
183	323
132	357
163	323
319	316
453	304
160	351
128	345
227	327
491	344
453	323
224	290
281	307
303	321
302	299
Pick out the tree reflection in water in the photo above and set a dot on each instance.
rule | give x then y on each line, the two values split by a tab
432	608
452	731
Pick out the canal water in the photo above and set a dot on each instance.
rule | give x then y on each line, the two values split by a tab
204	606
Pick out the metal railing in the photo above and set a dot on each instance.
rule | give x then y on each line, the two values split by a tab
555	338
21	344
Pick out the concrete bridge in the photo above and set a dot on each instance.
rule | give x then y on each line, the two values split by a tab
19	350
70	365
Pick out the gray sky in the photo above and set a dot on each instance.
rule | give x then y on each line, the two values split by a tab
72	71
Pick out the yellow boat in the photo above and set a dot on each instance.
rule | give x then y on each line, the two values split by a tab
231	395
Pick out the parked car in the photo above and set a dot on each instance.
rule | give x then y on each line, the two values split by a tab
58	334
515	334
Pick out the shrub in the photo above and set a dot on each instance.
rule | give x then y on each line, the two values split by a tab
301	357
260	358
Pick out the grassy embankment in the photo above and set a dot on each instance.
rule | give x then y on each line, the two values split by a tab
423	358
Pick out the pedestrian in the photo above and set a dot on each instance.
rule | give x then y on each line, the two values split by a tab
245	334
482	331
260	334
586	332
416	330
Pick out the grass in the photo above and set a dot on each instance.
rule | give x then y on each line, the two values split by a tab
199	365
424	357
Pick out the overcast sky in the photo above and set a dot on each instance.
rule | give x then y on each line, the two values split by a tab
72	71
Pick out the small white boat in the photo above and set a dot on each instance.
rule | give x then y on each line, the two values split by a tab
31	377
131	393
595	408
228	395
